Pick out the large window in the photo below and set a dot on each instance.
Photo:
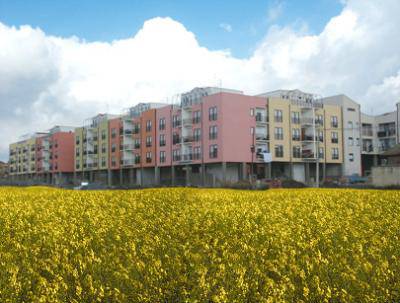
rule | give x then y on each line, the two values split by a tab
148	141
334	122
161	125
278	115
197	134
296	134
279	151
213	149
212	113
113	133
148	157
162	140
196	117
136	143
162	157
103	134
296	117
296	152
334	137
175	138
335	153
148	125
213	132
176	121
278	133
176	155
196	153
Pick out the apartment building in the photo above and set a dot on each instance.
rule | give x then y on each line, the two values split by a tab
44	156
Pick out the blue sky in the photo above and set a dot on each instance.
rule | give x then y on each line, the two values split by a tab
110	20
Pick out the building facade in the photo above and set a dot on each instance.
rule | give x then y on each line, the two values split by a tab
212	136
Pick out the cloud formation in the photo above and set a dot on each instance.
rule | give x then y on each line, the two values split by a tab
47	80
226	27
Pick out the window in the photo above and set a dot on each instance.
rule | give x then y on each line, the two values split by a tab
148	141
212	113
162	156
176	121
321	136
175	138
176	155
334	138
213	132
358	141
162	140
296	134
196	153
279	151
148	157
278	133
213	149
335	153
196	117
295	117
321	152
103	161
78	152
95	149
351	143
252	112
161	126
278	116
334	121
148	125
196	134
319	120
113	161
103	148
251	130
351	109
137	159
113	148
113	133
77	140
296	152
136	143
136	128
103	134
77	164
351	157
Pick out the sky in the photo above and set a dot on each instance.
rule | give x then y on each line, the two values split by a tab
64	61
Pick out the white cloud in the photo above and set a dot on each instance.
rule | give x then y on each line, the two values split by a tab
226	27
275	11
46	80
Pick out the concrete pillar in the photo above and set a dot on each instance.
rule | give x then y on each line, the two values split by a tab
141	179
173	175
156	175
187	175
307	173
121	177
375	160
109	177
203	174
269	170
91	176
243	173
323	172
291	170
131	177
223	165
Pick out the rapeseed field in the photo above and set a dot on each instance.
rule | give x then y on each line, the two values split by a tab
199	245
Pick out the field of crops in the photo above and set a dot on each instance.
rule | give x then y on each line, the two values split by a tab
189	245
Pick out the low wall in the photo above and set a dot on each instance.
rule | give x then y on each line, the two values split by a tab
385	175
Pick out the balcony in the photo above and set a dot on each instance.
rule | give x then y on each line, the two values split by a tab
187	122
262	137
128	162
187	157
261	119
129	147
386	133
187	139
307	121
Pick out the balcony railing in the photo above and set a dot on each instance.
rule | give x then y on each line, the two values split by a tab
187	157
261	118
128	147
187	139
387	133
262	137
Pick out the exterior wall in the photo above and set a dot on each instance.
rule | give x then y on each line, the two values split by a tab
164	113
350	114
234	127
114	125
385	175
276	103
78	153
63	152
149	115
